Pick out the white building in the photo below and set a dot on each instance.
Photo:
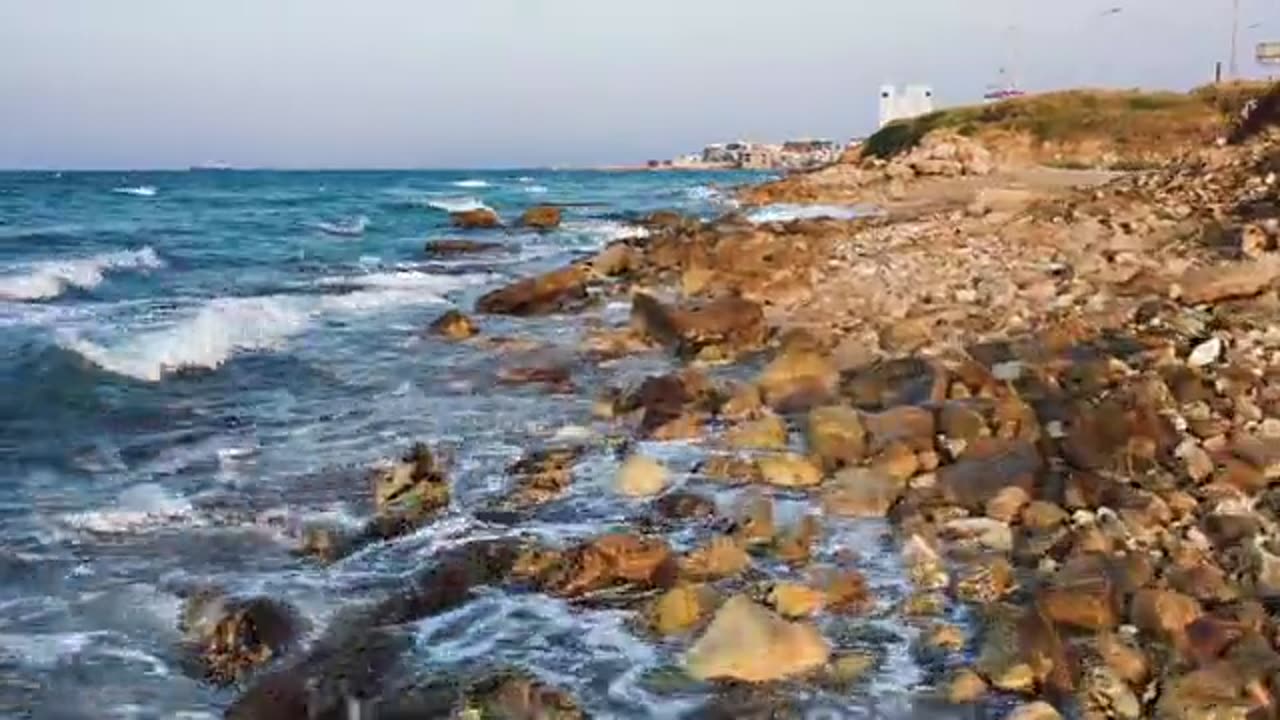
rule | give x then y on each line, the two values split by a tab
913	101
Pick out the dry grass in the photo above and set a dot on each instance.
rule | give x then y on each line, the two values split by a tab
1131	122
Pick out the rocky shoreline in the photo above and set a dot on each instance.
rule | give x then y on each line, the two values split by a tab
1059	395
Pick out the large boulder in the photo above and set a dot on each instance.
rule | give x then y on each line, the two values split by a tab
721	328
543	217
543	294
748	642
610	561
477	219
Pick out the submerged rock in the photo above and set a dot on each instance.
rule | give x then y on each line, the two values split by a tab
542	476
408	494
449	248
454	326
231	636
749	643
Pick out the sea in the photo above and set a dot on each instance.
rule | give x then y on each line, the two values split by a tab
196	365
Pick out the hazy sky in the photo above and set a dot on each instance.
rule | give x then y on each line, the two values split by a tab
450	83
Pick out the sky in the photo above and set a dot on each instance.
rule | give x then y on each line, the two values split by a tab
522	83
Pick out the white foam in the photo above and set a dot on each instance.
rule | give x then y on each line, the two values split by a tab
224	328
457	205
537	189
49	279
351	228
607	230
471	184
138	191
141	507
785	212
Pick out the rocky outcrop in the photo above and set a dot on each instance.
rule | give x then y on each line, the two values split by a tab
477	219
408	493
543	217
748	642
719	329
551	292
230	637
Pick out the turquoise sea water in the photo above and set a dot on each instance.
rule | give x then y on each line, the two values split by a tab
196	364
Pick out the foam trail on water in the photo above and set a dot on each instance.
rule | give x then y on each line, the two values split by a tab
455	205
352	228
785	212
471	184
607	230
49	279
137	191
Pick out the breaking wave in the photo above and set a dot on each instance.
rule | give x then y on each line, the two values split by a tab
785	212
224	328
351	228
49	279
607	230
471	184
137	191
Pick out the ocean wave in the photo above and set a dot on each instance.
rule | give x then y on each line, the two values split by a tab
607	230
457	205
225	328
140	508
350	228
537	189
471	184
137	191
786	212
49	279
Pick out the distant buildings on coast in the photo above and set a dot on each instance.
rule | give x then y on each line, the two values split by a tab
800	154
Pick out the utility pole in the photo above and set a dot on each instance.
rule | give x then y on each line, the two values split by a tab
1235	39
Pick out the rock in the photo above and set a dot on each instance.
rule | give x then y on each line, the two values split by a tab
789	470
516	696
618	559
615	260
798	380
966	688
1034	711
408	494
1043	516
684	506
846	591
1228	280
1021	650
553	377
796	546
540	295
860	493
729	469
681	609
233	636
793	601
766	433
1261	453
542	476
754	523
477	219
641	477
906	425
672	406
983	533
836	437
1205	354
1124	658
1007	504
1216	692
1254	241
449	248
1086	603
1164	613
747	642
721	558
985	581
721	328
454	326
977	477
543	217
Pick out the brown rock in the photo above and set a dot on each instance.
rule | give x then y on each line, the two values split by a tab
610	560
789	470
754	524
766	433
722	557
541	295
1086	603
454	326
860	493
1039	710
798	380
723	327
796	546
1041	515
681	609
449	248
1125	658
1007	504
910	426
542	476
836	437
543	217
1228	280
233	636
730	469
966	688
477	219
408	494
847	591
1164	613
641	476
984	471
684	506
615	260
747	642
793	601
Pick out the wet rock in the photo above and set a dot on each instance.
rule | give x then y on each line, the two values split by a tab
672	406
861	493
477	219
1087	601
616	260
836	437
985	470
1217	692
608	562
719	329
965	688
743	403
233	636
730	469
1021	651
847	591
799	380
789	470
912	427
796	545
754	524
641	477
408	494
1007	504
749	643
454	326
542	217
1164	614
681	609
766	433
684	506
1039	710
542	476
793	601
544	294
450	248
327	543
553	377
985	581
1124	657
978	533
518	697
1041	515
722	557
